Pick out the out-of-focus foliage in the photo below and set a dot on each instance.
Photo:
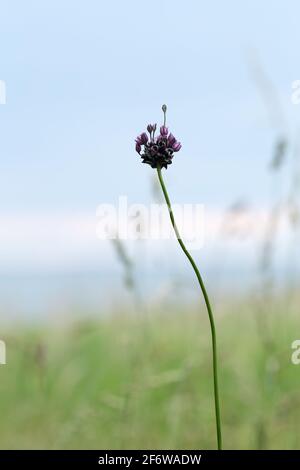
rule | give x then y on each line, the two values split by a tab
129	382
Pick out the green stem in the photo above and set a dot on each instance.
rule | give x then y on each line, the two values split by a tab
209	310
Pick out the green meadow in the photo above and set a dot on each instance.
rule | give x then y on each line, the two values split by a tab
145	381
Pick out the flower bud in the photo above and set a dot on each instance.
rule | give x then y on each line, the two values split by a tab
176	146
171	140
144	138
164	131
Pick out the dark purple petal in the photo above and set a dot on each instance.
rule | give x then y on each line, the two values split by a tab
171	140
150	128
144	138
138	147
176	146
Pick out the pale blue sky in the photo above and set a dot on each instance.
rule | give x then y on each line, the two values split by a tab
84	77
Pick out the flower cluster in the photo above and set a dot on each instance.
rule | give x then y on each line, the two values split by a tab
157	151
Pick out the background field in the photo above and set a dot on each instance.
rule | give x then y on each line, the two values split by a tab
132	382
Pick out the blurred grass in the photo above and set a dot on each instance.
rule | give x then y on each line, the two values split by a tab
131	382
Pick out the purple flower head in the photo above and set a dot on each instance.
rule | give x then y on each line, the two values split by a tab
157	152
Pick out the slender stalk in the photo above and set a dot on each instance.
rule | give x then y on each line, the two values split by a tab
209	310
